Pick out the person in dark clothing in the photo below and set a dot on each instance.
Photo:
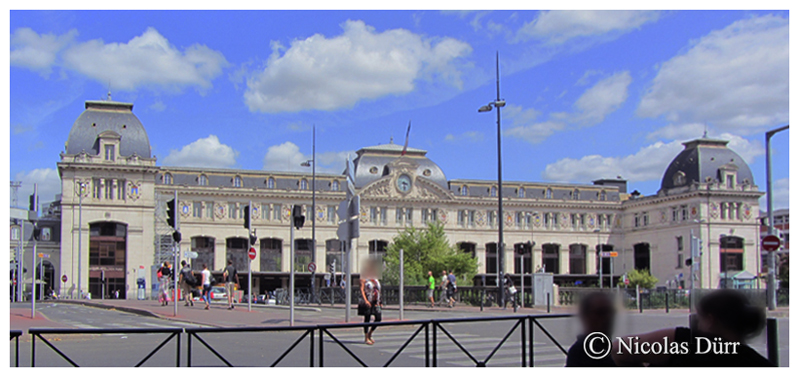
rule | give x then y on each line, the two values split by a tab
725	321
231	277
596	313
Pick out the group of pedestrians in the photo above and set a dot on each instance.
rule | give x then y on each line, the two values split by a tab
448	287
188	283
724	317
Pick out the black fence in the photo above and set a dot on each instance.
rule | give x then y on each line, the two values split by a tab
651	299
433	331
15	334
390	295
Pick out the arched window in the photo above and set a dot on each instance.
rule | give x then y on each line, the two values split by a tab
202	180
167	178
576	194
271	183
335	185
602	195
494	191
464	190
679	178
521	193
548	194
303	184
237	182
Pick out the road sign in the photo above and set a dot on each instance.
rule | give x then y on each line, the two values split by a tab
44	256
614	254
190	254
609	254
312	267
64	278
252	253
770	243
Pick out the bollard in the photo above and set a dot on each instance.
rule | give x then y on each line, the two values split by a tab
548	303
772	341
640	306
666	300
483	297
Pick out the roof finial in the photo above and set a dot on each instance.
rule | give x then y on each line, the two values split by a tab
109	92
705	130
391	140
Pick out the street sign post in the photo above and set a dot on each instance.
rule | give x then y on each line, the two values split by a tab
251	253
188	255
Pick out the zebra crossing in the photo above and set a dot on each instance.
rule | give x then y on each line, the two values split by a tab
449	354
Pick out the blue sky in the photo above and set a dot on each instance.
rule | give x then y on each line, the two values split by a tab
590	94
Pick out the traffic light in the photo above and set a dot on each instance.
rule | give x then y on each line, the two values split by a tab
247	218
37	232
297	216
33	202
176	236
253	239
172	220
688	262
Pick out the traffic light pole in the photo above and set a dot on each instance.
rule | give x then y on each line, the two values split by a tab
347	291
249	262
772	302
33	279
291	274
176	251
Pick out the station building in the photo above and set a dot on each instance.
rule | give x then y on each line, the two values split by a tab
114	195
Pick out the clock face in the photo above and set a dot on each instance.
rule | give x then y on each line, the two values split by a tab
404	183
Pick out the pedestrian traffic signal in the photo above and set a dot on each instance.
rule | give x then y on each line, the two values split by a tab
253	239
688	262
247	218
297	216
176	236
171	218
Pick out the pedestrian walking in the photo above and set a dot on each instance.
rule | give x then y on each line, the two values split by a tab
231	278
443	282
206	285
511	291
187	282
451	289
164	274
431	287
370	303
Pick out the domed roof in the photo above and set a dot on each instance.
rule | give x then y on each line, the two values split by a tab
701	161
372	164
101	116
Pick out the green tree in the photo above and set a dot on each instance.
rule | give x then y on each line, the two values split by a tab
426	249
641	277
783	271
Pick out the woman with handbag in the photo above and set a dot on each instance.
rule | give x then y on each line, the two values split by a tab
369	304
164	274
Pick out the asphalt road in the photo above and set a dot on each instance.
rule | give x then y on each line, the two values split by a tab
264	348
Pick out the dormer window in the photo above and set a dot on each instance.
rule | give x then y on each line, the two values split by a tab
679	178
110	155
602	195
202	180
167	179
303	184
730	181
576	194
494	191
548	194
521	193
237	182
464	190
335	185
271	183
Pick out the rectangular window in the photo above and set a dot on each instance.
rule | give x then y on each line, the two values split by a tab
265	211
636	220
582	220
410	216
399	215
680	261
674	214
241	210
373	215
461	216
424	216
384	212
121	189
332	214
729	181
490	218
555	220
573	220
679	240
528	220
434	215
232	211
210	210
518	219
645	219
276	212
97	188
197	209
471	218
684	213
109	186
109	152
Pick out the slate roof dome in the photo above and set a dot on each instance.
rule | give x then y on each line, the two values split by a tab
703	160
372	164
101	116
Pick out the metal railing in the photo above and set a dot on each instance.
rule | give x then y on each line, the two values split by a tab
308	331
38	332
15	334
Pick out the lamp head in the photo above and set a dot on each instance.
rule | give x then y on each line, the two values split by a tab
485	108
306	163
500	103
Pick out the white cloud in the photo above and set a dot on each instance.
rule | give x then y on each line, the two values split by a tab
146	60
320	73
683	131
559	26
780	195
37	52
747	149
736	79
646	164
48	180
536	132
602	99
205	152
286	157
468	136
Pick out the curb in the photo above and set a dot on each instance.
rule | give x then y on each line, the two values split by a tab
112	307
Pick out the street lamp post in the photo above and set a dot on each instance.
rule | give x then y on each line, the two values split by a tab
313	164
771	299
600	256
82	188
498	103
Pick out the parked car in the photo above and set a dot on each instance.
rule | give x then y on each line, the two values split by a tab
218	293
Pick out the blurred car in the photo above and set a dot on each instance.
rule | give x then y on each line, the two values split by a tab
218	293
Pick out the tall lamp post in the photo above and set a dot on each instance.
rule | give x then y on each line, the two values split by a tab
600	257
771	299
313	164
81	190
497	104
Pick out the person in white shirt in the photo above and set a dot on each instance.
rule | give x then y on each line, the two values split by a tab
206	285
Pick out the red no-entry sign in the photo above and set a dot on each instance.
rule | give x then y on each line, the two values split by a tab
770	243
251	253
64	278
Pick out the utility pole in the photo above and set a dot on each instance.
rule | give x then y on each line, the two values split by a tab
81	190
176	239
314	208
771	284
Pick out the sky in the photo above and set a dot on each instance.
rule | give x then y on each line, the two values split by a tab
590	94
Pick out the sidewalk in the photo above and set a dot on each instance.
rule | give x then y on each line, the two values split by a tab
20	319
